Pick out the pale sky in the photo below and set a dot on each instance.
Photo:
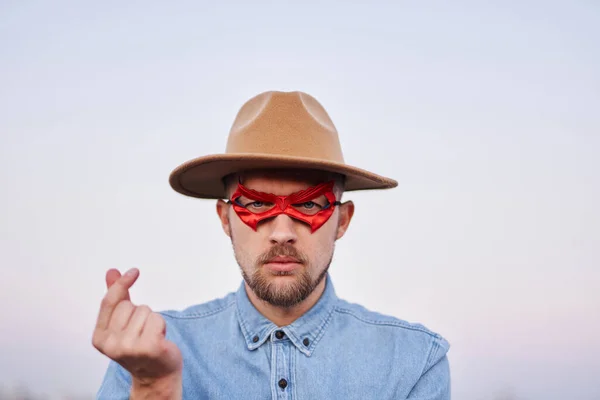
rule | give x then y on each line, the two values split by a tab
487	114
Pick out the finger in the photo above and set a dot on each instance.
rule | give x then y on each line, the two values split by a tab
171	354
112	275
137	321
118	292
121	316
155	326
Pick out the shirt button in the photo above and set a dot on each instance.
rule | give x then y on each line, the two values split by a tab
279	334
306	342
255	339
282	383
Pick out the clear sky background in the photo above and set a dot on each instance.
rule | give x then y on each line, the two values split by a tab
487	114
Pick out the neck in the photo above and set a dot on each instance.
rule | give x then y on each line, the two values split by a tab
282	316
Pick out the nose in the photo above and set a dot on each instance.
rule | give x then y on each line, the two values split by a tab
283	230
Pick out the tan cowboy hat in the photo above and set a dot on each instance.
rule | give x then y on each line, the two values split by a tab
274	130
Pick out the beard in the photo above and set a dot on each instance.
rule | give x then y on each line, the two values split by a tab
292	293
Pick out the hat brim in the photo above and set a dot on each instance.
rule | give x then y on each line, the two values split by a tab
202	177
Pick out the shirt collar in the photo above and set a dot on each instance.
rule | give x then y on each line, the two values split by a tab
304	333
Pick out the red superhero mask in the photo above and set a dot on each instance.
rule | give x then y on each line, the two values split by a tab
312	206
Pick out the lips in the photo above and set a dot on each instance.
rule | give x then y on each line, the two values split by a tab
282	264
283	260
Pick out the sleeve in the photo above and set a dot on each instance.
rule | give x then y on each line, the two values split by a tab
434	383
116	384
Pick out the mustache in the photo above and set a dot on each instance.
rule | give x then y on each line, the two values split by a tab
284	251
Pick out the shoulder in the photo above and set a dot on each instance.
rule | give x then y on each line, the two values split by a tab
209	309
369	317
210	318
413	338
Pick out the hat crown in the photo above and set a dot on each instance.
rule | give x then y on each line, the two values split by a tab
285	124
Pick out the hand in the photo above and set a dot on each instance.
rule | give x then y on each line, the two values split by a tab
134	336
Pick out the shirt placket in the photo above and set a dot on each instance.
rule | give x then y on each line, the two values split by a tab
281	377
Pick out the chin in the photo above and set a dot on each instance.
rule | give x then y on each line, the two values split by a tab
281	282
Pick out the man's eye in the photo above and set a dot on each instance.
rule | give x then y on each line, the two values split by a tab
310	204
255	204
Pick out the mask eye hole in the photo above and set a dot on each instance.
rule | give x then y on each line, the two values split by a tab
308	207
254	206
259	206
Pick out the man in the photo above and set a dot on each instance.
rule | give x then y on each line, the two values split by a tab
283	334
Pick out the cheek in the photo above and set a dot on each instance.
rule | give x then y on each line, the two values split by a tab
241	233
328	231
321	242
247	242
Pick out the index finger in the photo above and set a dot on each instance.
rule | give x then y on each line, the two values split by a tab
112	275
118	292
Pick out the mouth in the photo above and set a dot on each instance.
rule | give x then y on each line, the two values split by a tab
283	260
283	264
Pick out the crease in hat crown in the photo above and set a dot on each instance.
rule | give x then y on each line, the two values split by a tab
285	124
274	130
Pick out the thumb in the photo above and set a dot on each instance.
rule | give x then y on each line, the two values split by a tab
113	276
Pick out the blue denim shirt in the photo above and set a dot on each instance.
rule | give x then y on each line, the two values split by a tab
337	350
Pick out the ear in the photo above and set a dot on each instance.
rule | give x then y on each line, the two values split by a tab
346	213
222	210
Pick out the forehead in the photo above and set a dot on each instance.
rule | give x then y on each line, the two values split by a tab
282	182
